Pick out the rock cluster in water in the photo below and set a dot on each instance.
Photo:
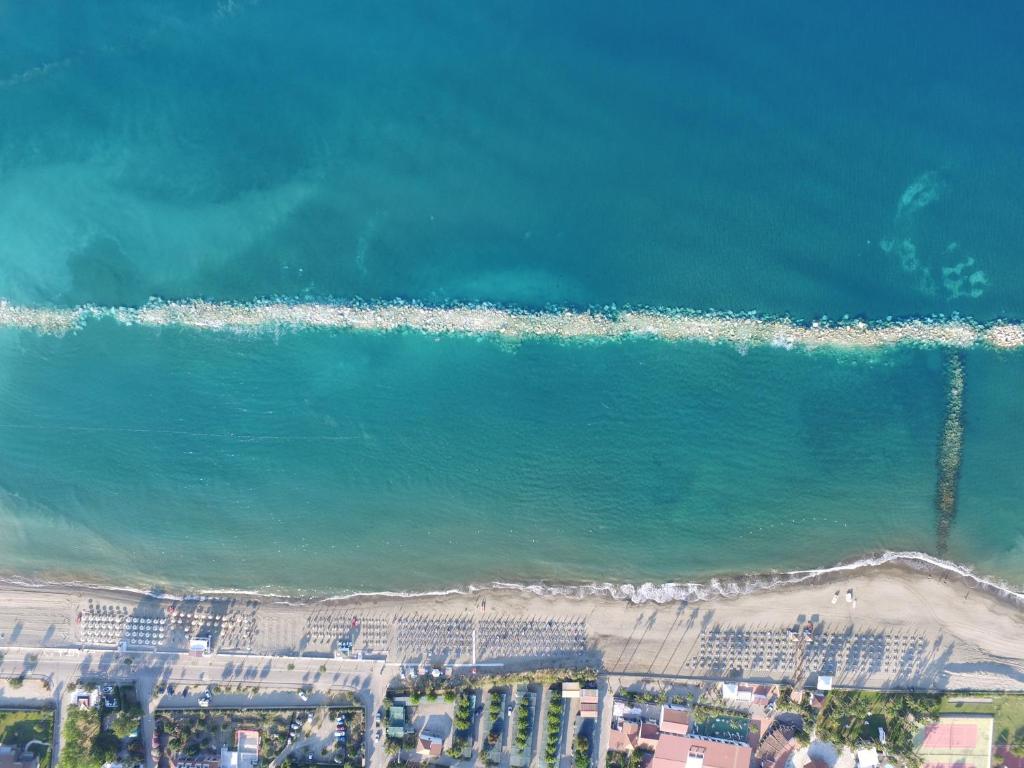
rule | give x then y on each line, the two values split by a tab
741	330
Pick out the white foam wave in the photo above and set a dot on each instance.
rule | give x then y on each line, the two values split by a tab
741	330
646	592
649	592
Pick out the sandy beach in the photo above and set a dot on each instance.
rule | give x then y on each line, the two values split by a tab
901	628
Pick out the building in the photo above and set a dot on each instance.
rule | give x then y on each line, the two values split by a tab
867	758
246	753
746	693
627	735
674	720
85	699
210	761
623	735
649	736
396	722
15	757
815	699
588	702
570	690
199	646
777	747
700	752
964	741
429	746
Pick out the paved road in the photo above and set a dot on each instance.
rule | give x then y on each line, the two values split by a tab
570	709
602	726
59	713
281	677
144	690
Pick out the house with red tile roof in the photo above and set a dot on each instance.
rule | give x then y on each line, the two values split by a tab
674	720
623	735
700	752
429	746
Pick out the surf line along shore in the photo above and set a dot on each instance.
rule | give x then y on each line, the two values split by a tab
907	629
516	323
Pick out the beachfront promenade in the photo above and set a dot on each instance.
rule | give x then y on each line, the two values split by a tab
905	631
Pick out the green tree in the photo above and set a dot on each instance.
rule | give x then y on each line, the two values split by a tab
105	747
581	755
124	724
81	727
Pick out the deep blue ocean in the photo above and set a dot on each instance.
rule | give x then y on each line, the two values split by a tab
805	159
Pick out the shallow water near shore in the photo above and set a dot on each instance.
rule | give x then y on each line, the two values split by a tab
801	161
331	462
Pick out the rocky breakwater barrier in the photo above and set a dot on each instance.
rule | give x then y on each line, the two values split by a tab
672	325
951	450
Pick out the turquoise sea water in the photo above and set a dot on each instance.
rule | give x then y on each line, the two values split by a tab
803	160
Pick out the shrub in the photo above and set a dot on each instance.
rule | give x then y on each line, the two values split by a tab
554	728
463	717
522	725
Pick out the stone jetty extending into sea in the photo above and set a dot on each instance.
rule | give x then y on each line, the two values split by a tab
672	325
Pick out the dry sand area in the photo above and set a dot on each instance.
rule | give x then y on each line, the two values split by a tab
907	629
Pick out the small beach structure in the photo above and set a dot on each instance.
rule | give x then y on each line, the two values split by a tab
964	741
824	683
199	646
